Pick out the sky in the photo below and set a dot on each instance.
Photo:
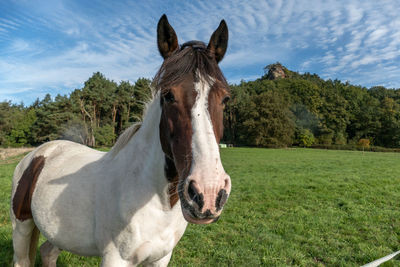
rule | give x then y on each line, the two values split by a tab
55	46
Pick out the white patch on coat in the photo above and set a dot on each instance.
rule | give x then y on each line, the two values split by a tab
106	204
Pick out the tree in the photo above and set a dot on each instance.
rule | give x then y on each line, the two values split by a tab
389	133
269	122
130	103
96	102
20	133
52	116
15	124
6	121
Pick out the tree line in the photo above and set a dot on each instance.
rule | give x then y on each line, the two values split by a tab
280	109
94	115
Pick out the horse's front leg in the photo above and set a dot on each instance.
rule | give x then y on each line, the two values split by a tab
114	259
49	254
161	262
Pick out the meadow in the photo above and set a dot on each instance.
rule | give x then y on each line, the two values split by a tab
299	207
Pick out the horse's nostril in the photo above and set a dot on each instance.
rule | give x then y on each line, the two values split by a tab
195	196
207	213
192	191
221	199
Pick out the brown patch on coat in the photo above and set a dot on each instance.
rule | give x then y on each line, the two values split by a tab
23	195
176	134
172	176
219	91
173	193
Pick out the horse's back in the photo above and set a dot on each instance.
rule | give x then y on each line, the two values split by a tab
54	185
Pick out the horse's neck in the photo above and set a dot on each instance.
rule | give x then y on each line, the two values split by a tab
140	164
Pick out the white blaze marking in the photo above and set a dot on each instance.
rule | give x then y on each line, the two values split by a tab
206	159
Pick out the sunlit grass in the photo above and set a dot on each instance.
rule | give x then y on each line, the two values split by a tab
287	207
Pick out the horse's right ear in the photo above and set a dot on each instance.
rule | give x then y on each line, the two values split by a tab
166	37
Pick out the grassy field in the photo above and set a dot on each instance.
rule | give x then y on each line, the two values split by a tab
287	207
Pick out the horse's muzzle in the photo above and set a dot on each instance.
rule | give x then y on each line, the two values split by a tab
203	201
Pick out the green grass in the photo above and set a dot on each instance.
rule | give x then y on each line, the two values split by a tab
299	207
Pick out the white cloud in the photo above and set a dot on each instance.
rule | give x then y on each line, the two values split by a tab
20	45
353	40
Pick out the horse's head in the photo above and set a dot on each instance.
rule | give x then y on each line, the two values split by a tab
193	96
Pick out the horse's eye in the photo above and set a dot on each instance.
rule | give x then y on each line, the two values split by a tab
169	97
226	99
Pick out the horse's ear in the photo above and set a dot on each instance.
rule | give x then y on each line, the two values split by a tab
219	41
166	37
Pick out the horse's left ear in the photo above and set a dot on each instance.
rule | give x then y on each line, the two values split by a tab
219	41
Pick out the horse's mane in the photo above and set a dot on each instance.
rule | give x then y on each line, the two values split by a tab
127	135
124	138
192	57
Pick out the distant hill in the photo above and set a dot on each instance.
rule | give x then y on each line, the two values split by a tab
284	108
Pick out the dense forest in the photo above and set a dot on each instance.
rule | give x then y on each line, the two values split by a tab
282	108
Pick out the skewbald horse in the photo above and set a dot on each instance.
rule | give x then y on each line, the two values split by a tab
131	205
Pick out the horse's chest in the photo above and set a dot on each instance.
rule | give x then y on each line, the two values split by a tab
152	241
156	248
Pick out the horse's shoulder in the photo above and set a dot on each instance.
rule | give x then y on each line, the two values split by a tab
56	147
61	151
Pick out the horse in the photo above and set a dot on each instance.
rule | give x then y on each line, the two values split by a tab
131	205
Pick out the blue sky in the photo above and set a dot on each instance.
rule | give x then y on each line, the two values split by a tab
54	46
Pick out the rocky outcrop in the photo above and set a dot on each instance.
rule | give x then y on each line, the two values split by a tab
275	71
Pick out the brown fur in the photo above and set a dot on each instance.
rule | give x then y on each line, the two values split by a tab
173	179
23	195
175	126
176	135
216	108
173	193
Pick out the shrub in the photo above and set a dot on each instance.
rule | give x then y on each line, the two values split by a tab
305	138
364	143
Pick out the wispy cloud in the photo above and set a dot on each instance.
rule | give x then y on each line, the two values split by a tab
54	46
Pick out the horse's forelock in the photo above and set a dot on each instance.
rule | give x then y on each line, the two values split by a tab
192	58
